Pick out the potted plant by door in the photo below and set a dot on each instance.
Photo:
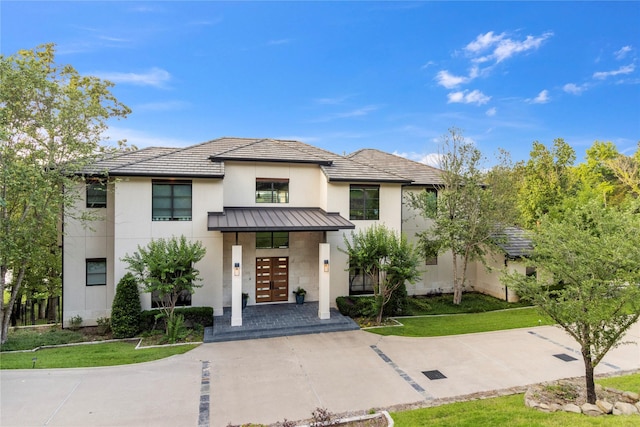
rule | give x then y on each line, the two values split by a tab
300	293
245	298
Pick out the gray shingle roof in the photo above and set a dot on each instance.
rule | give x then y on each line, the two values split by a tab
207	160
276	219
514	242
418	173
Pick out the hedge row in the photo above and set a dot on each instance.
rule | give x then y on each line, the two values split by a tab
192	316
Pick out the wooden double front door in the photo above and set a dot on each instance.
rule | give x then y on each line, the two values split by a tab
272	279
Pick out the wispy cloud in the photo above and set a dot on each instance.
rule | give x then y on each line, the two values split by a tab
155	77
542	98
626	69
491	111
446	79
574	89
500	47
622	53
357	112
332	100
431	159
278	42
162	106
466	97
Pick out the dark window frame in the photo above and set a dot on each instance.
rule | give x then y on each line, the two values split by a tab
275	190
273	239
172	197
361	283
364	208
92	274
96	193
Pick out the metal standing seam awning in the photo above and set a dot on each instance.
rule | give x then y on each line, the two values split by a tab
276	219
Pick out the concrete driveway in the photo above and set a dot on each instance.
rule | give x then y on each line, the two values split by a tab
268	380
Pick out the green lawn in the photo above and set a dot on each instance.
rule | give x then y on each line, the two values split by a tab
436	326
472	302
511	411
106	354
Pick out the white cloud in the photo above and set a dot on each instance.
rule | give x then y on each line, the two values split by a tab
466	97
358	112
483	42
622	53
626	69
491	111
155	77
431	159
503	47
143	139
332	101
427	65
542	98
448	80
574	89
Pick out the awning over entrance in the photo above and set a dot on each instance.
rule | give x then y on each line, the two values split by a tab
276	219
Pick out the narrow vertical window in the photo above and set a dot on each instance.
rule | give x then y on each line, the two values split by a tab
96	193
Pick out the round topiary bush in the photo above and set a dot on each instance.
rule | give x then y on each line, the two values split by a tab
126	309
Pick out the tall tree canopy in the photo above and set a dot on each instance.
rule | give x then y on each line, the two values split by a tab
52	121
589	267
467	212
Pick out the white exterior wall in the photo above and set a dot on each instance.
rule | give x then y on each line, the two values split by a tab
488	277
81	242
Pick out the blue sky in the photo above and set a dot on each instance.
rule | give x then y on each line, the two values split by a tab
348	75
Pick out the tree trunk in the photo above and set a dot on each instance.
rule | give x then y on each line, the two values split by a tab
457	289
5	311
52	309
591	386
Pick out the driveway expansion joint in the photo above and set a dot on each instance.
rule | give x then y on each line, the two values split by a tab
402	374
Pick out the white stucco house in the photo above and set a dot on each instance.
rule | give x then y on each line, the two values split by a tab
272	215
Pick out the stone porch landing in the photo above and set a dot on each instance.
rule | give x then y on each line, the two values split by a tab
276	320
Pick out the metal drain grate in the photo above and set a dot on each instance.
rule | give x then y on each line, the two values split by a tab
565	357
434	375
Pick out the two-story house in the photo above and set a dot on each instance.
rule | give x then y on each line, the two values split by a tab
272	215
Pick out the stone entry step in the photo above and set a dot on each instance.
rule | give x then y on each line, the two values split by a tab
276	320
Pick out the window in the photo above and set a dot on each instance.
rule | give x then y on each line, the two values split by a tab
96	193
270	240
431	260
360	282
272	190
364	202
96	272
171	201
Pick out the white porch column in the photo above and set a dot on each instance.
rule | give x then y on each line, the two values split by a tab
236	285
324	281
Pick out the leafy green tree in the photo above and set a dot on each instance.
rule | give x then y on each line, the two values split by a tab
595	179
166	267
546	181
627	170
126	309
590	262
51	124
466	213
388	259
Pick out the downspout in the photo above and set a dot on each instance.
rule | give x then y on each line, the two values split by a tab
506	288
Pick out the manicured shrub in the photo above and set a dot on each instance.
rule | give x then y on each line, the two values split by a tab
361	306
126	309
193	316
397	305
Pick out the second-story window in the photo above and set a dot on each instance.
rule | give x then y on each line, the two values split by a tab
364	202
269	190
96	193
171	201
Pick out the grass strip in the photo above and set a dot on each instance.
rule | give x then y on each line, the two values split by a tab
511	411
457	324
91	355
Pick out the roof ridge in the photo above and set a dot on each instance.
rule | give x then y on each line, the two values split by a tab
376	167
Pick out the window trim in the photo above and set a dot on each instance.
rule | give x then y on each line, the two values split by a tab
172	197
366	208
275	193
95	260
90	186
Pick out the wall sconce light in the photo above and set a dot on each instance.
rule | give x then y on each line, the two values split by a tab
236	269
326	265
